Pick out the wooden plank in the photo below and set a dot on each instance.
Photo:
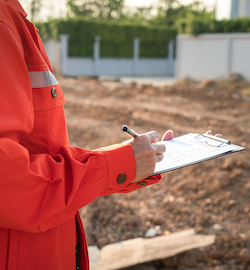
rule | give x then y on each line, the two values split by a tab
140	250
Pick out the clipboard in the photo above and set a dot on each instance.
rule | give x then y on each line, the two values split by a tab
193	148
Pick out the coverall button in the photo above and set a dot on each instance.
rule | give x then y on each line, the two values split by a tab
142	183
121	178
53	92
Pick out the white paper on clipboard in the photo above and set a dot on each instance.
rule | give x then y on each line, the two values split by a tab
193	148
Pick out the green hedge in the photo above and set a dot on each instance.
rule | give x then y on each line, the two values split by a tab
196	26
116	39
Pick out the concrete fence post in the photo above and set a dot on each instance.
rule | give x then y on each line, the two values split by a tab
230	55
170	57
52	48
96	55
136	55
64	40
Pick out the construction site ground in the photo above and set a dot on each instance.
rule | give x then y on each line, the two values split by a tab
212	197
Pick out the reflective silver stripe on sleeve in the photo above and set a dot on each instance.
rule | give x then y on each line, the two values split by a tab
42	79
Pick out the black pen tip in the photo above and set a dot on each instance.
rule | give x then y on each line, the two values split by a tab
125	128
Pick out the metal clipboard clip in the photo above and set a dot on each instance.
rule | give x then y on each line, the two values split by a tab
211	140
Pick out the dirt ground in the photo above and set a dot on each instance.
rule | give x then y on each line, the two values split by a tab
211	197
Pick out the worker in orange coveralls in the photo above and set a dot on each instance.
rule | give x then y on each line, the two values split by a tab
44	180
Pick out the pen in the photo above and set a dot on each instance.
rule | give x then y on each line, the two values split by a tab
130	131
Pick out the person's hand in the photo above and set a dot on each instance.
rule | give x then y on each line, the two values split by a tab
146	153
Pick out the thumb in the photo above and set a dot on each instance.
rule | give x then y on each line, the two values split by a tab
168	135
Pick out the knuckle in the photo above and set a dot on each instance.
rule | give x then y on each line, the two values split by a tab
161	148
160	157
145	138
153	135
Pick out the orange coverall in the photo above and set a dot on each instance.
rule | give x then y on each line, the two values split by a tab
44	180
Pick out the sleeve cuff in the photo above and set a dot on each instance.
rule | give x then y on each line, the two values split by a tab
143	183
122	170
121	166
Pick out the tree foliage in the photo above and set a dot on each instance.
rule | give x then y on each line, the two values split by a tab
33	7
190	18
172	14
169	13
100	9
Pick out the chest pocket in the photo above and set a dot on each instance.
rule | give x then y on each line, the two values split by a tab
47	93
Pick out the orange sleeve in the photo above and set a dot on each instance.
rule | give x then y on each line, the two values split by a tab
40	191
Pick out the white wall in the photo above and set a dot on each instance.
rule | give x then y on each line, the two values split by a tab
211	56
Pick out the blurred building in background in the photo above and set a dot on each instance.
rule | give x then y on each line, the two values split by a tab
240	8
